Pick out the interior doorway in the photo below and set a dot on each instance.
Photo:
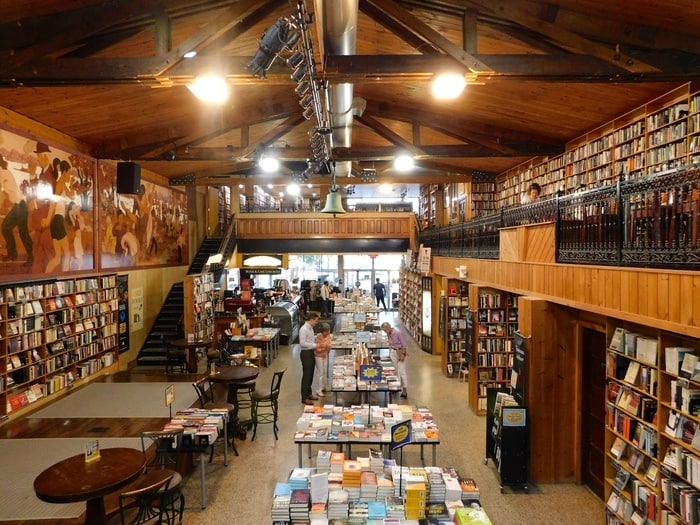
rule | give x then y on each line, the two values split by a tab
593	346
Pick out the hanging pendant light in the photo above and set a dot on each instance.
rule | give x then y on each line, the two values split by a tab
334	204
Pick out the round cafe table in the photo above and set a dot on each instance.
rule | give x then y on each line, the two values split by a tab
232	375
191	348
73	479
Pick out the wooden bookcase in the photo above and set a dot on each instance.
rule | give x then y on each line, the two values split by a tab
199	306
456	306
652	419
660	135
495	323
410	302
54	334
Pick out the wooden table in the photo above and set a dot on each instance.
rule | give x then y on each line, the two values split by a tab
73	479
233	375
191	348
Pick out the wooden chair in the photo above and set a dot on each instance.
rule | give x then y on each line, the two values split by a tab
267	399
175	359
205	393
167	448
142	505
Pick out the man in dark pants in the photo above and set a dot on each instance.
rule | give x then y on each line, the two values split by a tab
379	293
307	345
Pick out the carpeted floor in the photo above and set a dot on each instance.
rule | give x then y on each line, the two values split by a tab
120	400
23	459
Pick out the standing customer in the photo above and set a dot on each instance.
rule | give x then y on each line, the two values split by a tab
307	346
379	293
398	348
325	298
323	348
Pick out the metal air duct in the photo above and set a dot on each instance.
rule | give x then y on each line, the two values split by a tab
338	31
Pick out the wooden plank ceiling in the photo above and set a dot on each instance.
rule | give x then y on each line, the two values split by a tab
111	74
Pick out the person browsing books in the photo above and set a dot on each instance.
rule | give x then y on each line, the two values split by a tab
398	348
323	348
307	346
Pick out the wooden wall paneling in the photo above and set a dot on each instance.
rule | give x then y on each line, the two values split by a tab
508	244
570	285
662	296
540	245
674	297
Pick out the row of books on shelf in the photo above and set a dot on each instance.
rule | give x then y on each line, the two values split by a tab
36	391
644	349
495	359
497	316
633	373
638	506
28	292
632	402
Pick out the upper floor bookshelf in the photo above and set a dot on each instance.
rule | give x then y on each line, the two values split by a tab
662	134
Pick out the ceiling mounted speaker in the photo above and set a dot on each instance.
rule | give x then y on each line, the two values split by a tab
333	204
128	178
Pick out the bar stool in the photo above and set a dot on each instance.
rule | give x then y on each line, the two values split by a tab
267	399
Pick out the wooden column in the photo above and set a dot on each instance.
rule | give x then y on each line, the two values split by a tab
550	386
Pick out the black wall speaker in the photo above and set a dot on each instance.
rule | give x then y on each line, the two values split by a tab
128	177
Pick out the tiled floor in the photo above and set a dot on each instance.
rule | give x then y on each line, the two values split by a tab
240	493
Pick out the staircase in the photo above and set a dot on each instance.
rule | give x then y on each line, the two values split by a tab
168	322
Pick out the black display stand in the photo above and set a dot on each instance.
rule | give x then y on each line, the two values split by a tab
507	441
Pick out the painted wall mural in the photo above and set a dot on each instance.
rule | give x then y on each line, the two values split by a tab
148	229
46	208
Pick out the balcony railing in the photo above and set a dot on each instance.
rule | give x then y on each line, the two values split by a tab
650	221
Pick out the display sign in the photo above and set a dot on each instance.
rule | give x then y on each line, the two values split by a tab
401	434
363	337
370	373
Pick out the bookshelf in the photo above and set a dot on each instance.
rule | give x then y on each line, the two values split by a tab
429	203
495	324
456	306
652	418
54	334
410	302
199	305
660	135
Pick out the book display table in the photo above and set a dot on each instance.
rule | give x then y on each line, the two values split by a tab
375	491
343	427
345	379
268	339
345	342
201	428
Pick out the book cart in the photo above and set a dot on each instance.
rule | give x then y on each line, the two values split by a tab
507	438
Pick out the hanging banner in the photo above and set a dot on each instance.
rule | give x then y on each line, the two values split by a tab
123	290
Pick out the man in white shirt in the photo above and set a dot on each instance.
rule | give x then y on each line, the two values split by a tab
325	298
307	345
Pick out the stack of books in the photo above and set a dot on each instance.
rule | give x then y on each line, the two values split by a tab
385	488
416	499
471	516
337	460
395	507
358	511
376	510
351	478
299	505
368	485
323	461
338	504
376	461
280	502
299	478
436	484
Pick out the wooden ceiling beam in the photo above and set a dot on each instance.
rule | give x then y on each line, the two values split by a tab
365	154
351	68
567	39
416	26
